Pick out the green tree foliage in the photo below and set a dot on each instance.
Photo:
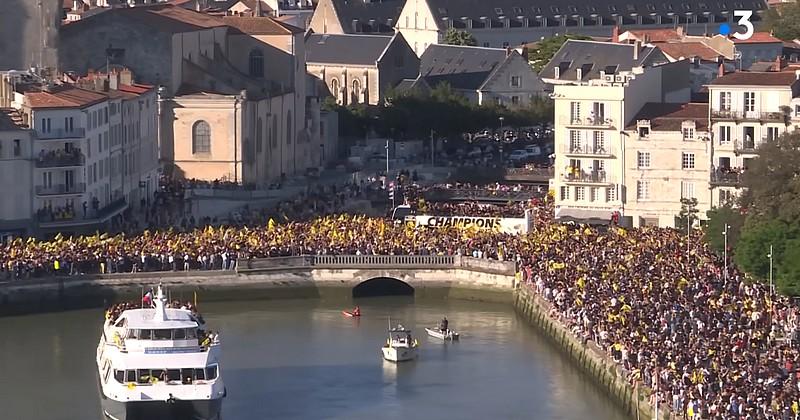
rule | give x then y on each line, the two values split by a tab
784	22
787	270
547	48
688	213
717	219
752	248
772	182
457	37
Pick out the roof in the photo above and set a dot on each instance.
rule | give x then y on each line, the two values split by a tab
162	17
251	4
136	88
677	50
756	78
460	66
500	9
63	96
371	16
260	25
355	49
670	116
144	319
11	120
593	57
758	38
656	35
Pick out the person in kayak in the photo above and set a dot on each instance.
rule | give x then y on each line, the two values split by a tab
443	325
357	311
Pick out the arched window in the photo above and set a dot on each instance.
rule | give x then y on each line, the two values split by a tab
356	91
335	89
274	131
256	63
289	132
201	137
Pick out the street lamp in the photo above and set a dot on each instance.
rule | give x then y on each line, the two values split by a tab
725	235
502	137
387	158
688	233
771	287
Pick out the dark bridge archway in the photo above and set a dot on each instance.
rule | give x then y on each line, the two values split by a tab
383	286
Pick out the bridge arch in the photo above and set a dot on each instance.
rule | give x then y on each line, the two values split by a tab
383	286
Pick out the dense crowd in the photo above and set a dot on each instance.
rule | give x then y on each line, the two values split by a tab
711	344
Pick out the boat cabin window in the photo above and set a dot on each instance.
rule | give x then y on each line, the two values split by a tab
191	333
173	374
186	376
158	374
200	374
211	372
119	375
144	376
130	376
162	334
121	322
179	334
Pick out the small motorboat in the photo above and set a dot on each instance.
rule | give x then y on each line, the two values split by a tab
400	346
350	314
442	335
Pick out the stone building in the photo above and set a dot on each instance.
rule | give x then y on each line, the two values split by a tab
29	33
356	17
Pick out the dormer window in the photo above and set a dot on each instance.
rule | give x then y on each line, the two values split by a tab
555	9
591	9
572	9
612	8
518	10
686	6
668	6
631	8
498	10
702	6
557	72
537	10
651	7
579	74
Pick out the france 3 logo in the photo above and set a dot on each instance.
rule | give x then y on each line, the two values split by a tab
744	20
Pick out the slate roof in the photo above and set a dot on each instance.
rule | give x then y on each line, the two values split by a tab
375	16
161	17
260	25
670	116
461	67
352	49
593	57
756	78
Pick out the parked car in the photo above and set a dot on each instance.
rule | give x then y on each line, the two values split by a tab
533	150
519	155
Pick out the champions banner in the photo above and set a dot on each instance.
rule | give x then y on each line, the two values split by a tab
505	225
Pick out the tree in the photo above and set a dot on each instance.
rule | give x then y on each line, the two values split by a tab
457	37
717	219
787	270
784	22
546	49
772	181
688	213
753	245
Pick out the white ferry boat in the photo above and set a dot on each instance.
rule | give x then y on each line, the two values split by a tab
159	363
400	346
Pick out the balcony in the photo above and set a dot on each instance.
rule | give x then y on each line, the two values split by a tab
60	133
61	189
745	146
587	150
588	122
60	159
748	116
594	177
69	216
726	179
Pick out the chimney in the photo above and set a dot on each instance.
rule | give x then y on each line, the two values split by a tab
780	63
636	46
615	34
721	70
125	77
679	31
797	74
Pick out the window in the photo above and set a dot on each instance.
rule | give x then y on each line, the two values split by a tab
575	111
564	193
642	159
599	141
486	45
518	11
580	193
574	140
642	190
725	197
555	9
687	160
611	194
725	134
335	88
256	63
651	7
516	81
162	334
688	133
17	148
289	130
687	190
274	140
749	101
724	101
201	137
772	134
211	372
594	194
498	10
356	91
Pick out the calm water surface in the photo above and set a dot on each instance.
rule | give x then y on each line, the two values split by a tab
301	359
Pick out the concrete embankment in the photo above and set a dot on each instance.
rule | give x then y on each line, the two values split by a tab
590	359
472	282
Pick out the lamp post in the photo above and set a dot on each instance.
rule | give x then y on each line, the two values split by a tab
771	287
725	251
688	233
387	158
433	148
501	119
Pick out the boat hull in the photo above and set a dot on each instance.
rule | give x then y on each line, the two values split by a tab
450	335
350	314
399	354
179	410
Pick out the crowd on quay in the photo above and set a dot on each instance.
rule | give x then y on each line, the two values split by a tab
710	343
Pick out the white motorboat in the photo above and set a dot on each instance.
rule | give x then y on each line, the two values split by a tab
400	346
159	363
442	335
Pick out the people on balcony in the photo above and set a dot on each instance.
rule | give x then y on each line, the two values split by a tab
60	156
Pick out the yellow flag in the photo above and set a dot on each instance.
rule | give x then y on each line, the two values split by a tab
271	224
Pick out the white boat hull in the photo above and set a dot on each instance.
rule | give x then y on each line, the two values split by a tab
449	335
145	410
399	354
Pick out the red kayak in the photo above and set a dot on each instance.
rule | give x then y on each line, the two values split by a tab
350	314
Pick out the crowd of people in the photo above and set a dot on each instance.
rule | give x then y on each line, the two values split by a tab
709	343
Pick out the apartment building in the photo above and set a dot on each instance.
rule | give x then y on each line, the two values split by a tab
667	156
746	110
16	171
598	90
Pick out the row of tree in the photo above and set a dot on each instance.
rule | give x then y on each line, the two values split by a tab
767	214
413	114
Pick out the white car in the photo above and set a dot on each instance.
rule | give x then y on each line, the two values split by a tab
519	154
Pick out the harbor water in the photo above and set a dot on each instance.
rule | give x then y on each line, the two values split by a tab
301	359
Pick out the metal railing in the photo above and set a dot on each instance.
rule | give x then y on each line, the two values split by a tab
378	262
598	177
59	189
477	195
730	179
60	133
75	217
586	149
56	161
587	121
745	145
748	115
